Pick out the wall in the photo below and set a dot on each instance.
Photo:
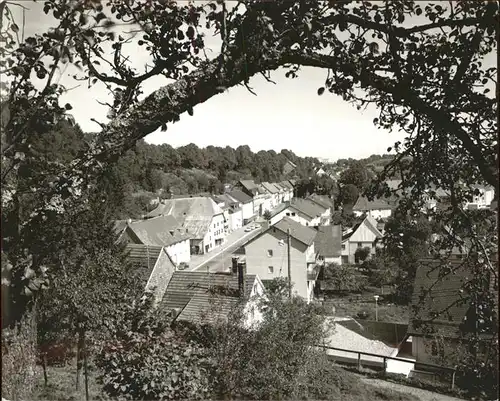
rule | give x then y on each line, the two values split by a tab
337	260
258	260
179	252
302	218
160	277
236	220
247	209
363	235
376	214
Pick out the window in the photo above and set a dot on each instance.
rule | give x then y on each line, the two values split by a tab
307	223
360	245
293	213
270	253
288	214
270	269
343	247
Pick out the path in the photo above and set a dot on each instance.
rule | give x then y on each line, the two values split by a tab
223	253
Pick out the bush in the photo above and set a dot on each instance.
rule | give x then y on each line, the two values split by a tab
146	360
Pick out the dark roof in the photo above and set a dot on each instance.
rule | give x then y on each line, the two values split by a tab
240	196
307	207
369	221
321	200
249	185
156	231
144	258
198	292
269	187
328	242
363	204
301	233
286	184
438	304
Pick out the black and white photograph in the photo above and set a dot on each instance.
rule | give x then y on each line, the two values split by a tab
249	200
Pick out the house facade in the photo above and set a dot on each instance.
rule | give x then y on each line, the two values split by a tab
302	211
246	202
164	231
200	217
439	319
235	219
483	200
362	235
267	256
378	208
328	244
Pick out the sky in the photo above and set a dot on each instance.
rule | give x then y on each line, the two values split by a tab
288	115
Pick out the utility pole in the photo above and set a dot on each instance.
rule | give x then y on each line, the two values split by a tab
289	264
376	307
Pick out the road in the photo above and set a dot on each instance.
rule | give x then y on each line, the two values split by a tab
220	258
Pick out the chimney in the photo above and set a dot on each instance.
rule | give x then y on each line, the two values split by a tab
242	271
234	265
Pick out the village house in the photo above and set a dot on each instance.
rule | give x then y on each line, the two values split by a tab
378	208
246	202
288	194
303	211
289	167
249	187
154	267
439	317
484	199
362	235
328	244
266	255
326	203
201	217
206	298
232	210
163	231
273	191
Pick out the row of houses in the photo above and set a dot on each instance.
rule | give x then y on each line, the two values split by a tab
382	208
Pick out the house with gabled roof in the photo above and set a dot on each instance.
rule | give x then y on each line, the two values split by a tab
363	235
246	203
205	298
378	208
289	167
266	255
164	231
442	312
288	195
154	265
326	203
303	211
247	186
273	191
200	217
328	244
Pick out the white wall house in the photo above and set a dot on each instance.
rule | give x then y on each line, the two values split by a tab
246	202
363	235
484	199
378	208
266	256
236	219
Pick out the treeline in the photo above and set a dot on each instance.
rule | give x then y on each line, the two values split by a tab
148	170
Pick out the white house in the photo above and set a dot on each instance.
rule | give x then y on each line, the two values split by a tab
362	235
483	199
164	231
200	217
267	256
378	208
273	191
235	219
288	193
246	202
302	211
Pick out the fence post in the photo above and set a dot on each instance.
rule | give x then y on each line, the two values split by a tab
385	365
359	361
453	379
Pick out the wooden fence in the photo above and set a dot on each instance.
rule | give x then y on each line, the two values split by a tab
431	367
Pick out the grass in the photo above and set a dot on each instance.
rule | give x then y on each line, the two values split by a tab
352	304
61	387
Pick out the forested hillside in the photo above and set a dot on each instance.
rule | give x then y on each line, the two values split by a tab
163	170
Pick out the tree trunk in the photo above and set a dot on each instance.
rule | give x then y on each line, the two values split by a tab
79	355
44	366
